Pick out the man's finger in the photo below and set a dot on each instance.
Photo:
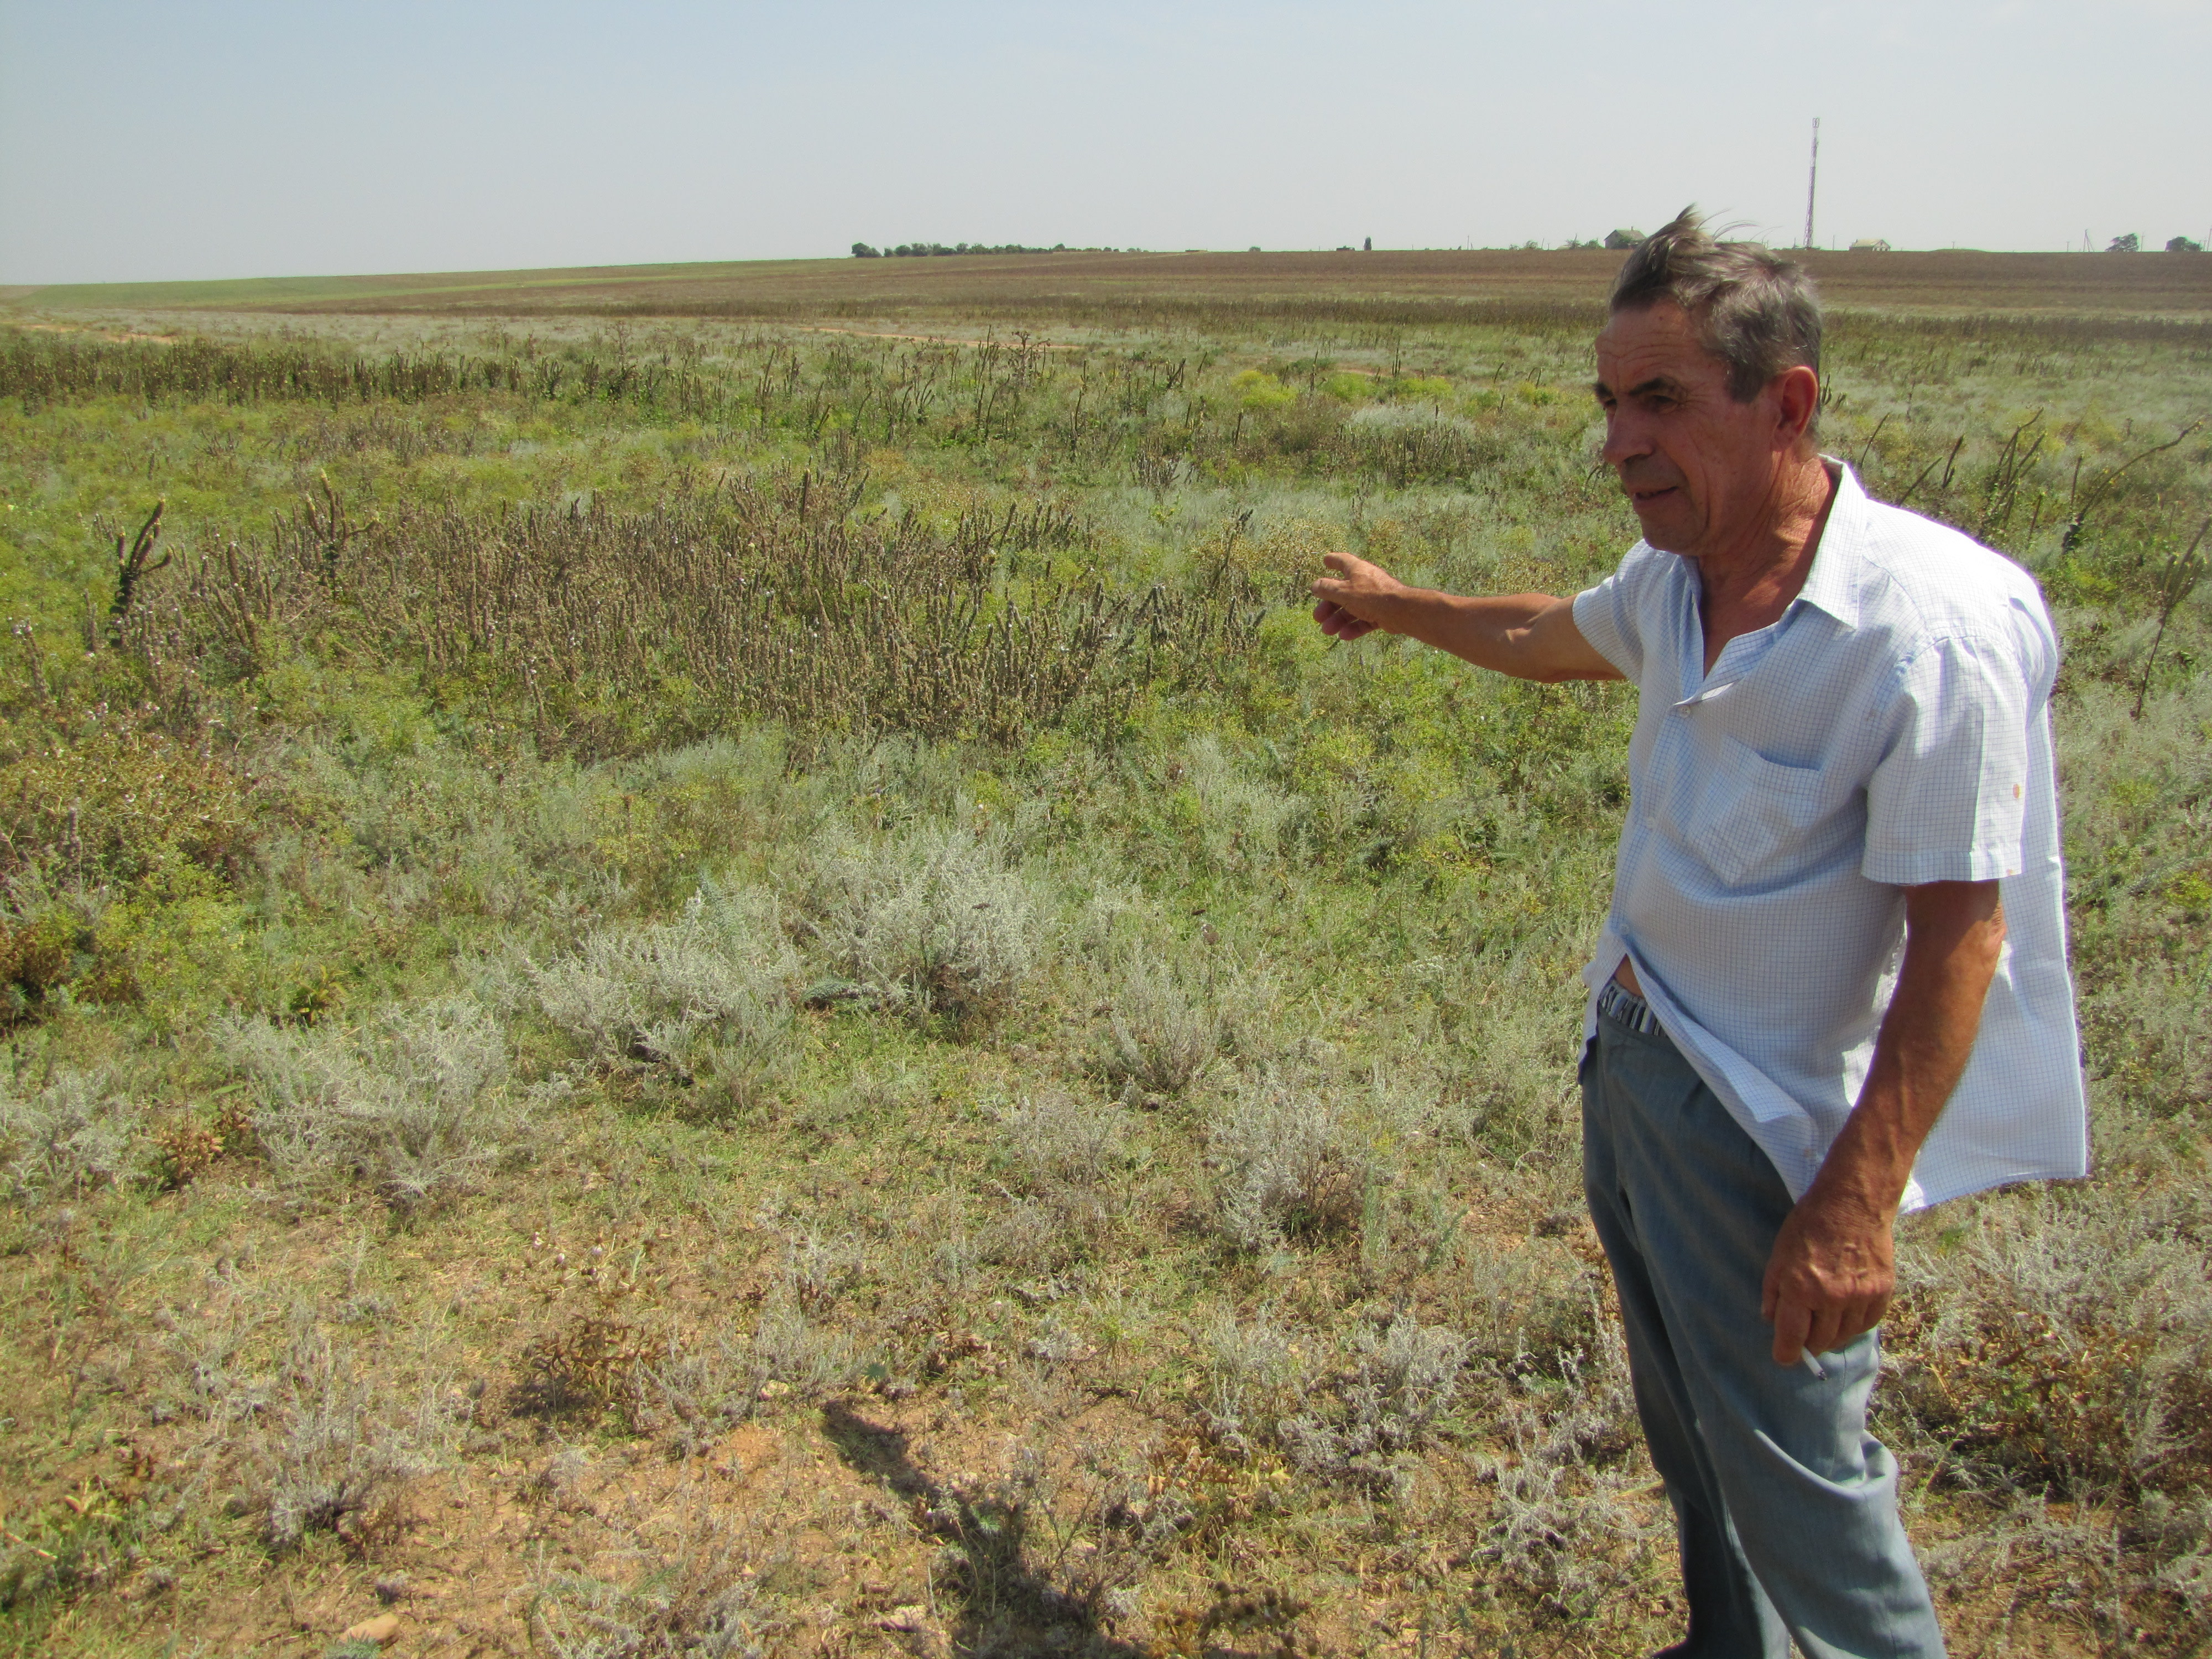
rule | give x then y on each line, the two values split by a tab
1339	562
1820	1332
1792	1324
1852	1321
1862	1317
1340	623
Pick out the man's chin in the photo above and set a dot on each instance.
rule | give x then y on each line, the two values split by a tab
1662	523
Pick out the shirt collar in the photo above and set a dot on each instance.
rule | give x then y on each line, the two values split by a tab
1832	585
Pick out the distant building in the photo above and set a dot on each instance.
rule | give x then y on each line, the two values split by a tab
1870	244
1621	240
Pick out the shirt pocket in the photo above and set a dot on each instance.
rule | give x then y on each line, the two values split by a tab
1756	823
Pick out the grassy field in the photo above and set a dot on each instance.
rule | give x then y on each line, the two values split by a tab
740	981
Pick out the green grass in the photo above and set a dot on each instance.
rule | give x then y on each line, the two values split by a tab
503	1104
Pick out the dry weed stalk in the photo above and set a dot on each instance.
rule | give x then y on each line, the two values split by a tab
776	597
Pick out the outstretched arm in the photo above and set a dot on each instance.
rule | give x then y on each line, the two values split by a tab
1532	636
1834	1265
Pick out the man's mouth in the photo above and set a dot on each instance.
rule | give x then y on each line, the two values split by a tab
1646	497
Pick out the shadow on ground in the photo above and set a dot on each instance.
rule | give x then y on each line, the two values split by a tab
1009	1595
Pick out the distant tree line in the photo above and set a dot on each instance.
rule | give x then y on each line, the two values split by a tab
922	250
1616	240
2132	243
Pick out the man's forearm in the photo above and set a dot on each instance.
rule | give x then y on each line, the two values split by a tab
1532	636
1480	629
1954	935
1833	1269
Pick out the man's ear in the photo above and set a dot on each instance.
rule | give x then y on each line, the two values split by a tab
1797	400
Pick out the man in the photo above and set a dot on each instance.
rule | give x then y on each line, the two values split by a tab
1841	861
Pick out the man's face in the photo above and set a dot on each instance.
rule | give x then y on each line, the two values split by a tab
1700	469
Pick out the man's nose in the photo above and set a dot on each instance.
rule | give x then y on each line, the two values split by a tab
1624	439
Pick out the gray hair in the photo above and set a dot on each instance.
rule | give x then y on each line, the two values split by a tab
1754	310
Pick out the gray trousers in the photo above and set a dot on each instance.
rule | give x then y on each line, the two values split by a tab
1785	1507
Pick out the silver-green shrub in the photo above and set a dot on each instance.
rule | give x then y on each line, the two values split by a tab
1286	1162
74	1134
1162	1033
2181	1533
1563	1527
2066	1340
322	1453
1067	1157
414	1101
1243	823
696	1603
1533	1302
1254	1376
708	993
1374	1416
790	1350
697	1392
933	922
1059	1140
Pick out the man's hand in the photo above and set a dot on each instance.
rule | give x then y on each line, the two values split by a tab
1347	603
1831	1276
1532	636
1833	1268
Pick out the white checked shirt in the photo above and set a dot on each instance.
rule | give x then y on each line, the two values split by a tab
1893	727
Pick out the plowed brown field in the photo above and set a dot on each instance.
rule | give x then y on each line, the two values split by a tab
1431	286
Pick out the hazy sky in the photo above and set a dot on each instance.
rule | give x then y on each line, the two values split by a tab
146	140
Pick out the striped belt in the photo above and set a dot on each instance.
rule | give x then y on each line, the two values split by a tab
1616	1002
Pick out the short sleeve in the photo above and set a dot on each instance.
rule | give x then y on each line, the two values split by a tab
1947	799
1606	617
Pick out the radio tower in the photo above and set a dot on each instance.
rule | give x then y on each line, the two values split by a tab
1812	181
